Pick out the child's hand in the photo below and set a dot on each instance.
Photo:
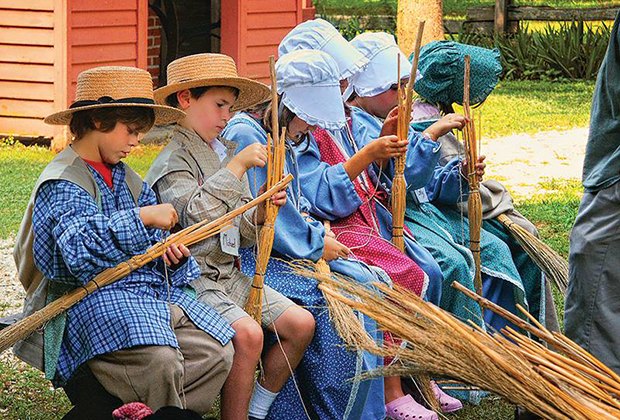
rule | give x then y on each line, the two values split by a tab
390	124
446	124
175	254
160	216
386	147
333	249
279	199
480	167
253	155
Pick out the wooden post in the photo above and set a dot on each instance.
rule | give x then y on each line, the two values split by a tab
501	16
412	11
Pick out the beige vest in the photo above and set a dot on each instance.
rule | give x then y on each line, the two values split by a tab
66	166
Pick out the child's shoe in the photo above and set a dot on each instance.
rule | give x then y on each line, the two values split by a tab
406	408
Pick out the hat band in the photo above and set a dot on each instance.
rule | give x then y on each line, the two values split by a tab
106	100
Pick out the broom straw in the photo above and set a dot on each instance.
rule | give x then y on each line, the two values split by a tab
474	202
550	262
550	384
188	236
275	170
344	319
399	186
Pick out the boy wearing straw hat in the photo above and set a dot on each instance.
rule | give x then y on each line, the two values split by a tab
143	337
200	175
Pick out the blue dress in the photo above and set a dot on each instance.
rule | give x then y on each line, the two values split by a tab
436	224
327	373
332	196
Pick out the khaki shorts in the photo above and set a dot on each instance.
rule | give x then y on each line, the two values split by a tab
229	296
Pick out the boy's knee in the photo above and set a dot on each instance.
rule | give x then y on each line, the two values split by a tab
248	338
300	325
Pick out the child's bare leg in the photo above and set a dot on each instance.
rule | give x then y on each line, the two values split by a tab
295	328
237	390
393	388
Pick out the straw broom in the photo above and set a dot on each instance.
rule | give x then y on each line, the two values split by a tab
474	203
568	385
550	262
399	186
344	319
188	236
275	171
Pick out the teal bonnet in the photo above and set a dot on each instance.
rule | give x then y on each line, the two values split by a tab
442	64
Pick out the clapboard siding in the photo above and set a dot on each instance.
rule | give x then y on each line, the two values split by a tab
26	66
256	27
104	33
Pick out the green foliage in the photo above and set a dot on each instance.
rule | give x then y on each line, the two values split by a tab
517	106
565	50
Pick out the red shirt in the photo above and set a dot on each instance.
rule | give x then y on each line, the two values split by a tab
103	169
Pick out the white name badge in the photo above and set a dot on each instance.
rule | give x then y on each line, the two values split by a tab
230	241
420	194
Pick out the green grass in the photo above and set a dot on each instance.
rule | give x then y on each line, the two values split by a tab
19	168
530	107
452	8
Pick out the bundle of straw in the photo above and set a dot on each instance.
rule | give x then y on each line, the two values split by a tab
399	186
188	236
550	262
567	384
474	203
276	153
345	321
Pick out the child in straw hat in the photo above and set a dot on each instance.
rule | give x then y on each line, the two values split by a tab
325	373
200	175
142	337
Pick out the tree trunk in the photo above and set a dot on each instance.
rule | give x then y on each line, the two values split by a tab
410	12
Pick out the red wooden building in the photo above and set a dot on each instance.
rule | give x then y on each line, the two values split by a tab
44	44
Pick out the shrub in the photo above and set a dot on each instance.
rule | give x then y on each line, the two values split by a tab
568	50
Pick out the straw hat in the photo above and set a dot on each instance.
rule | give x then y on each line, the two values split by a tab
104	87
200	70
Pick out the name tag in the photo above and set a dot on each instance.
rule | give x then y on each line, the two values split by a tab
420	194
230	240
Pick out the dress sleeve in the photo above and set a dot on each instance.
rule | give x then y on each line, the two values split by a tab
328	188
295	235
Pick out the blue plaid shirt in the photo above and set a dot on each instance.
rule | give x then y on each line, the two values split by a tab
76	238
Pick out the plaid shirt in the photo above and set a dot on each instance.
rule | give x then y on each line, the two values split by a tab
76	238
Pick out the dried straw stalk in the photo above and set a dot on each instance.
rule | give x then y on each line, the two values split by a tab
188	236
276	153
550	262
567	385
474	202
399	186
346	322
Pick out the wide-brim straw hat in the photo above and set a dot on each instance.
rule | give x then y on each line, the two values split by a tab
204	70
114	86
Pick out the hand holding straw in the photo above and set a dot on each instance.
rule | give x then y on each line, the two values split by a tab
276	153
474	202
188	236
399	186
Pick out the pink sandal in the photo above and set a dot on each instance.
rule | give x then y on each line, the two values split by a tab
406	408
447	403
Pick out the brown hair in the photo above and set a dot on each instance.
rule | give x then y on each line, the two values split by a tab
138	118
196	93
